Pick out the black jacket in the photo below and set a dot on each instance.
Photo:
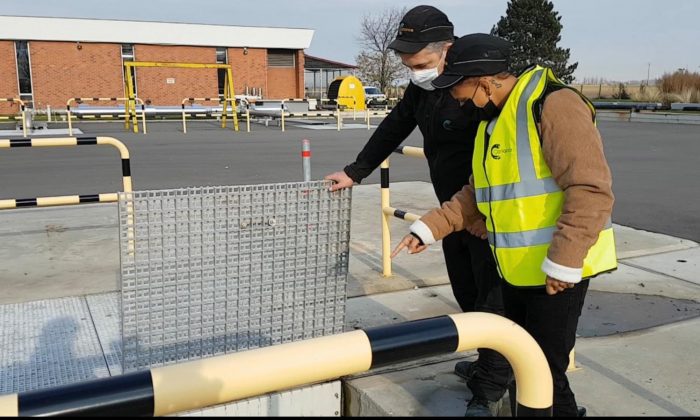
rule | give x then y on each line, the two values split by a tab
448	139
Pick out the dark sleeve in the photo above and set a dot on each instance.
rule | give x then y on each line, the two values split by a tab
398	125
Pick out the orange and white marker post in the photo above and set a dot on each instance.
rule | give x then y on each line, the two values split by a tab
306	159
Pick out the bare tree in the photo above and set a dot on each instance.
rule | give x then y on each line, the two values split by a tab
377	64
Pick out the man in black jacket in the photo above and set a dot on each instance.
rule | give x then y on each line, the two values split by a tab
425	34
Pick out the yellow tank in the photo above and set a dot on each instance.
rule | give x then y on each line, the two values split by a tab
348	92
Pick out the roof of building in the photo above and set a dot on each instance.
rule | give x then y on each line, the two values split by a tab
311	62
140	32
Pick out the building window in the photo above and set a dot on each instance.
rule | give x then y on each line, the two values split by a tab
221	58
24	71
221	55
128	55
281	58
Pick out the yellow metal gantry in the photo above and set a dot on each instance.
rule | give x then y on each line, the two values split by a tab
229	95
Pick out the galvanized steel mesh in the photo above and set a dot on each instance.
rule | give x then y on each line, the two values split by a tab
214	270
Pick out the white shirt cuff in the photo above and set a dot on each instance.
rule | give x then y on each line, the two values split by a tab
423	231
561	272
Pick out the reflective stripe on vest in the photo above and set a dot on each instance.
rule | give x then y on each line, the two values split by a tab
527	238
517	193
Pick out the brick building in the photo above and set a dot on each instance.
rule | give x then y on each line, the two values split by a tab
45	61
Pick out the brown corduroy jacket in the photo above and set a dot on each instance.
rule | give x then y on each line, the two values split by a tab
573	149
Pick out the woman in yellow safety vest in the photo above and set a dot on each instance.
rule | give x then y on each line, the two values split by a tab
541	192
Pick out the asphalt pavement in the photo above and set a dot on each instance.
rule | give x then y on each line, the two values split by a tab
655	168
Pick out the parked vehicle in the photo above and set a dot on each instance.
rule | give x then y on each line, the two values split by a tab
374	96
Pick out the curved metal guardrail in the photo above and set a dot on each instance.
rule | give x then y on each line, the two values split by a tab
197	384
69	199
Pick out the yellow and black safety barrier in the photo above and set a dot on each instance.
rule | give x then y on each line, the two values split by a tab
129	117
23	112
69	199
388	211
222	379
130	85
224	111
369	114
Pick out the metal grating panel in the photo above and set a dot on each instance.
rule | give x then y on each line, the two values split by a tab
214	270
48	343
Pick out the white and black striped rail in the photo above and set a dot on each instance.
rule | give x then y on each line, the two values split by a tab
222	379
69	199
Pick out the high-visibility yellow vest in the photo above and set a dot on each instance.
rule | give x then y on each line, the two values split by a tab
516	192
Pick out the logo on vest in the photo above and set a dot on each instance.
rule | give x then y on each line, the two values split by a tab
496	151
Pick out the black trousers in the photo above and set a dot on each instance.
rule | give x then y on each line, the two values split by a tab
477	287
552	322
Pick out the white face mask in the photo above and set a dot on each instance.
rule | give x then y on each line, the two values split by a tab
422	78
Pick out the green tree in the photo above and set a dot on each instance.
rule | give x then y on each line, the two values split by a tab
535	27
377	64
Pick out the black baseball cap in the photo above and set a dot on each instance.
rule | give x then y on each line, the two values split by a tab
474	55
419	27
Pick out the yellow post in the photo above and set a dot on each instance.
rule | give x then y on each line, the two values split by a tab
247	116
184	116
354	109
127	70
134	116
232	96
70	122
130	117
24	121
282	113
386	233
224	110
572	362
143	116
337	109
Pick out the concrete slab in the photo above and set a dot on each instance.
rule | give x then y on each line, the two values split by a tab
631	243
57	252
642	281
652	373
684	265
611	313
409	271
430	390
73	251
39	133
407	305
638	374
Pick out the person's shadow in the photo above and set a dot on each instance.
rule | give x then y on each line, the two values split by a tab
62	354
56	359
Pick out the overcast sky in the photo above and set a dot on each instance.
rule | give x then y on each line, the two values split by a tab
612	39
